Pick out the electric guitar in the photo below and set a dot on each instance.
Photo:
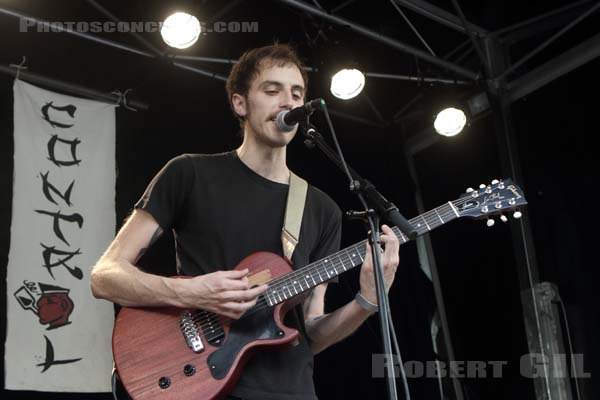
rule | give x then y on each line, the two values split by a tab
166	353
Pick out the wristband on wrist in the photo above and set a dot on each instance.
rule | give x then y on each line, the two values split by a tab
366	304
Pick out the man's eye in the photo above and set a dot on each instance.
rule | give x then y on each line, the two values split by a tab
297	97
271	92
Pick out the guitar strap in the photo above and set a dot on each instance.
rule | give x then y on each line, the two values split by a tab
294	209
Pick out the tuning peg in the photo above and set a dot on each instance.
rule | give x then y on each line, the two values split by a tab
517	215
482	186
490	223
469	190
503	218
495	181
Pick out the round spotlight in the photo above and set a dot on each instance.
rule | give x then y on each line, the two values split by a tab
347	83
450	122
180	30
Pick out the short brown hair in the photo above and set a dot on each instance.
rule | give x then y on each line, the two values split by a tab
249	66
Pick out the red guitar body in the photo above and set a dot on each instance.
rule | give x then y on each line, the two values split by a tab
154	359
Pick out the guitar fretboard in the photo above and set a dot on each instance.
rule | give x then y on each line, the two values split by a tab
306	278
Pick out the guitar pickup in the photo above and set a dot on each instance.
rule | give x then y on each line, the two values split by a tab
188	328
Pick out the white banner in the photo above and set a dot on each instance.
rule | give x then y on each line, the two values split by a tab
63	217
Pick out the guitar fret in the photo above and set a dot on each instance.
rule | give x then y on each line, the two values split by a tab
404	239
454	209
343	265
426	224
334	265
438	214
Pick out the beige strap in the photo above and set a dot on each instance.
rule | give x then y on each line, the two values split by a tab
294	209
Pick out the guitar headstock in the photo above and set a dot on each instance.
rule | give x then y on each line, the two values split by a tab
490	200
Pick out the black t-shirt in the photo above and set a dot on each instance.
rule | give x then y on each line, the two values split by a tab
221	211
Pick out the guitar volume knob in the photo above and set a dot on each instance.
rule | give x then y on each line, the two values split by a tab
189	370
164	382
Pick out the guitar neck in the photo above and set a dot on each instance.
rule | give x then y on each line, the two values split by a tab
301	280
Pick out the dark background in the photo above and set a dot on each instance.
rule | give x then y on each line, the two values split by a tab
189	113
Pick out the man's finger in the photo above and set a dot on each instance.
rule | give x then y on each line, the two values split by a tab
235	284
235	273
256	291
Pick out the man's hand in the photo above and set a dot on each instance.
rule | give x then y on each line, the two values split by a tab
389	260
223	292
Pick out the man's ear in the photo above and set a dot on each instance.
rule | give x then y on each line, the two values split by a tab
239	104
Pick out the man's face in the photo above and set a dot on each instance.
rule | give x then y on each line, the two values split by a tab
273	90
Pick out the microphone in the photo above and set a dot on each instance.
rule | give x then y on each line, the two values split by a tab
287	120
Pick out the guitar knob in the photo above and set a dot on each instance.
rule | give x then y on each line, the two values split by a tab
517	215
469	190
482	186
490	223
495	181
189	370
503	218
164	382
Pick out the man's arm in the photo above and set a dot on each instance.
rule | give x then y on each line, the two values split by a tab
327	329
116	278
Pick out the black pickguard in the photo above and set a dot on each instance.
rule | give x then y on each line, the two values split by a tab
255	325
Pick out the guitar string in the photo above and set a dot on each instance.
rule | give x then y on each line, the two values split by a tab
319	266
430	217
342	256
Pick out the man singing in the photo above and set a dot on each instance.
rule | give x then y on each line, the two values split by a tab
224	207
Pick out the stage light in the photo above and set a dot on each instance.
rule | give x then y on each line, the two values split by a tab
180	30
450	121
347	83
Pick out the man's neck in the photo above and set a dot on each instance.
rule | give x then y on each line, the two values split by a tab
266	161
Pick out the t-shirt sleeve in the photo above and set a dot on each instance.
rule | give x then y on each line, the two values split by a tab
167	193
331	236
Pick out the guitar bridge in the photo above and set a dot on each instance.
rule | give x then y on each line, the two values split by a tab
190	332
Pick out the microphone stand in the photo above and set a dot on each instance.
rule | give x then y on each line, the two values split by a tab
385	208
360	186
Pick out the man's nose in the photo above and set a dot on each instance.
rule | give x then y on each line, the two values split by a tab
286	101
